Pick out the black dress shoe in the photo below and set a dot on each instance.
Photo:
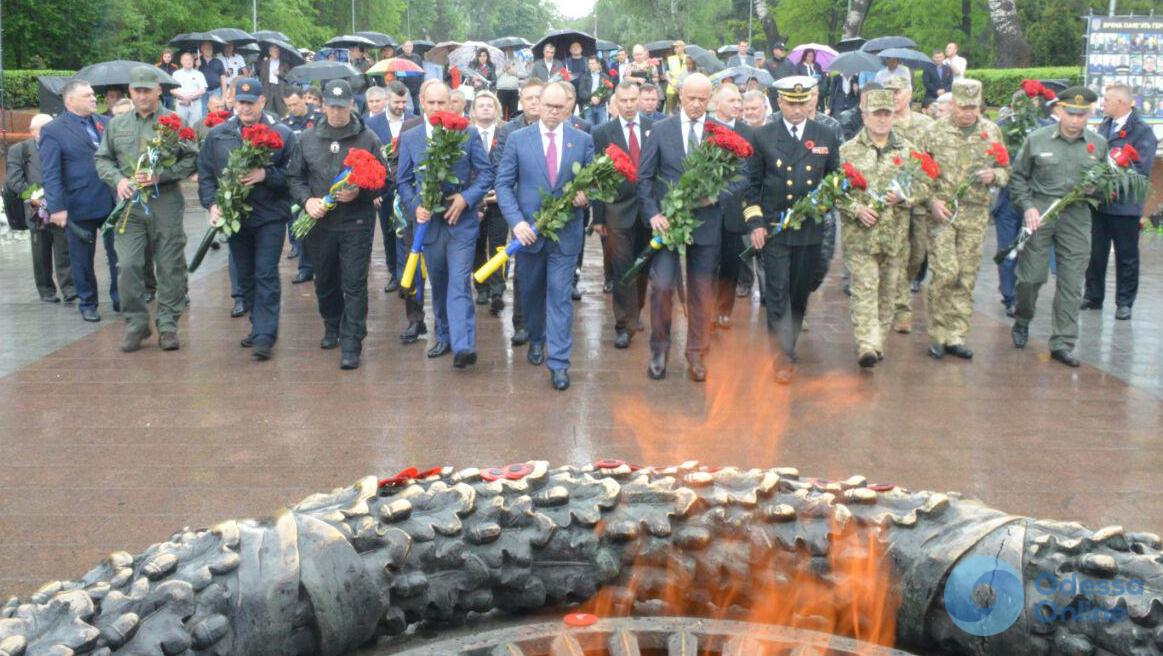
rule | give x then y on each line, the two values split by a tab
695	368
238	310
302	277
1065	357
90	314
915	286
392	285
608	287
69	298
117	305
959	350
496	304
247	341
742	291
519	338
576	293
936	351
50	299
148	296
330	340
482	297
560	379
536	354
441	348
1090	304
1010	310
868	359
262	352
657	368
349	360
1020	335
622	341
293	254
1123	313
464	359
412	333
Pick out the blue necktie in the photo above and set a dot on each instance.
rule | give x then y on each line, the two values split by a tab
91	128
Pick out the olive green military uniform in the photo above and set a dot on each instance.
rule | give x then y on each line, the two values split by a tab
1046	169
955	248
912	130
872	254
160	230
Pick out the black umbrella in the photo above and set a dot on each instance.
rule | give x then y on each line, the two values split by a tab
850	44
854	63
605	46
379	39
509	43
234	35
194	40
323	71
704	59
561	40
886	42
116	74
421	46
286	51
350	41
659	46
249	49
270	35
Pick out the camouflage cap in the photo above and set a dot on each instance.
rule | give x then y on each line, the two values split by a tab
966	92
897	82
144	77
878	99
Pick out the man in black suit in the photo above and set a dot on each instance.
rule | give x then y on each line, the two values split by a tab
793	154
728	108
620	221
663	156
937	77
545	68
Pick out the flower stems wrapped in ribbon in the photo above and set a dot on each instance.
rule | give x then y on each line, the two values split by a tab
599	181
1111	179
361	170
169	140
445	148
709	169
1001	158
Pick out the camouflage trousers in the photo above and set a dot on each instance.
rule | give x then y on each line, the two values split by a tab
911	259
954	260
874	283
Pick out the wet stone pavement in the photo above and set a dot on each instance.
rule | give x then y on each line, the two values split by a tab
102	451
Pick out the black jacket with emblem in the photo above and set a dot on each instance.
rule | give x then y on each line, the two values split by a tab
785	170
268	199
318	158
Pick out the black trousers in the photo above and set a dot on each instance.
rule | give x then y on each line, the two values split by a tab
790	272
665	277
50	252
1123	231
629	298
731	268
341	259
388	233
494	234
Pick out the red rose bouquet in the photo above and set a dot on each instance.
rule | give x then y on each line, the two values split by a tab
214	119
1110	179
170	140
260	142
1026	112
599	180
995	155
603	92
361	170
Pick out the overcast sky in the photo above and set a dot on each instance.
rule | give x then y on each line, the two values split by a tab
574	8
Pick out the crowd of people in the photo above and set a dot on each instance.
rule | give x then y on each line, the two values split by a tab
527	131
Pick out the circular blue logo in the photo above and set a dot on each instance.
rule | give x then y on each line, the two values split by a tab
984	595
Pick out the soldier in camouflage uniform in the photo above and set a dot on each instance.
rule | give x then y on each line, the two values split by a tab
959	142
161	229
874	233
910	126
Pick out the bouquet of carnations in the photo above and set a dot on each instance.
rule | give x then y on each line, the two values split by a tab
902	182
170	139
1000	157
1111	179
1026	112
599	181
709	169
361	170
445	148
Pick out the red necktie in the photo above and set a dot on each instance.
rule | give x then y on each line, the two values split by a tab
634	151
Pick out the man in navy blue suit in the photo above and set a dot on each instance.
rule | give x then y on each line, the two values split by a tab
75	194
669	143
450	243
388	126
539	159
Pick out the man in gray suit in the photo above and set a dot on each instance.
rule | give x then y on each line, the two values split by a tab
545	68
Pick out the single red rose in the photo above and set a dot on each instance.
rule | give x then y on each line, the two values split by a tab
809	144
897	161
855	177
622	163
187	134
1122	134
1090	148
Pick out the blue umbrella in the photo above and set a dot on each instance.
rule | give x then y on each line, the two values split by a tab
743	73
885	42
854	63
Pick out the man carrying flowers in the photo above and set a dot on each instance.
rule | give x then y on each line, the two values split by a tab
1051	162
444	174
340	243
973	161
145	177
242	181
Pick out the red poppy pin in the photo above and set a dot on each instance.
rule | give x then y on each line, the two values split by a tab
1122	134
809	144
100	127
1090	148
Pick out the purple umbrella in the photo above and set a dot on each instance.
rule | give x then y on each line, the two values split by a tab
824	54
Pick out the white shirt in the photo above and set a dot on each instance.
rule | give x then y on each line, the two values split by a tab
191	80
686	129
957	64
233	65
900	71
273	76
1118	123
395	125
595	80
637	129
487	136
799	133
558	140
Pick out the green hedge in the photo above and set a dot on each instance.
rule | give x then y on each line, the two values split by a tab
20	87
999	84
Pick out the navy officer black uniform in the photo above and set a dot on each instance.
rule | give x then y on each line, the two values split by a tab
340	245
258	245
792	156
